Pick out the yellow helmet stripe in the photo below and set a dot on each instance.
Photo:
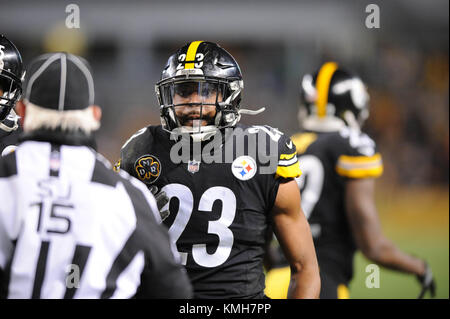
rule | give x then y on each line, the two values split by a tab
323	85
190	55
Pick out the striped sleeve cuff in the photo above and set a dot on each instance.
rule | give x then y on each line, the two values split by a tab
288	166
360	166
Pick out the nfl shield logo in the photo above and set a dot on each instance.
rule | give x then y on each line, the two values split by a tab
193	166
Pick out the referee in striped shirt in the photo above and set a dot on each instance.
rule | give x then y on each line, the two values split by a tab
70	227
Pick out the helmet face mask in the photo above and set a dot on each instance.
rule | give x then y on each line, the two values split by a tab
200	90
11	76
10	93
333	98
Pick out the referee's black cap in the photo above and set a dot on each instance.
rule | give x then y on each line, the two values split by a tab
59	81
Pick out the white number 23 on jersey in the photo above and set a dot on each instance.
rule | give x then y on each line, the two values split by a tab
219	227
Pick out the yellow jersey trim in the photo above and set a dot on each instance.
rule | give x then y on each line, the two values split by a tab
116	167
360	166
291	171
342	292
357	160
287	156
303	140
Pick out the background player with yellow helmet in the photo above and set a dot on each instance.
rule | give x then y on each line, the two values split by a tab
339	164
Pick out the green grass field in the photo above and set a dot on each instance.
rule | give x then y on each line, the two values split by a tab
417	221
397	285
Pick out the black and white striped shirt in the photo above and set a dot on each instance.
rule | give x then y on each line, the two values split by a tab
70	227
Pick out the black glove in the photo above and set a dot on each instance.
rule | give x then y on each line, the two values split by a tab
427	282
161	201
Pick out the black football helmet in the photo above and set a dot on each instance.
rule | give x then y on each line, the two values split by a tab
208	70
11	76
332	98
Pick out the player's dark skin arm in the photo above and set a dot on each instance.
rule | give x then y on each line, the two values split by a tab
366	228
293	233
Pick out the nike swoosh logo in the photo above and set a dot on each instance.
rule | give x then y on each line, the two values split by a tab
289	144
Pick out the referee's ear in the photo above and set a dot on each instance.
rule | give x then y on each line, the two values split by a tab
20	110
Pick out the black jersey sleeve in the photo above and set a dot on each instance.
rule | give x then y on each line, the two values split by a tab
136	145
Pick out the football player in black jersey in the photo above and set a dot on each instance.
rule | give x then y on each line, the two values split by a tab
11	76
339	164
220	209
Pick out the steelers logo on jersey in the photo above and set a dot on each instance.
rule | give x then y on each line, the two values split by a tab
244	168
148	168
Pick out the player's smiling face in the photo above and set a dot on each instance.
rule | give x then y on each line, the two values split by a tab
196	101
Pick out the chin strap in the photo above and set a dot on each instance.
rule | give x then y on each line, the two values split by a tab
202	133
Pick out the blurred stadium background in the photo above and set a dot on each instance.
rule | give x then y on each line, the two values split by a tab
404	63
